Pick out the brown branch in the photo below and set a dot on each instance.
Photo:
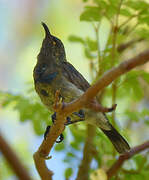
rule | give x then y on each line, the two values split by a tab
126	45
105	80
89	148
41	155
122	158
83	172
63	111
13	160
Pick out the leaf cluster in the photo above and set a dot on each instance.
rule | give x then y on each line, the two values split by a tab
28	108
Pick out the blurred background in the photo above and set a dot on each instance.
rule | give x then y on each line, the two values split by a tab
21	35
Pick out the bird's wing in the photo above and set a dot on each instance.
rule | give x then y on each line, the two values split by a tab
72	75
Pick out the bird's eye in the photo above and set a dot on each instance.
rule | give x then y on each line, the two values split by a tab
44	67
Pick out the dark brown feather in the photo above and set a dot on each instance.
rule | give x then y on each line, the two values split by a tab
73	76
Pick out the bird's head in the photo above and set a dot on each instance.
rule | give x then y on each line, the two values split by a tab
52	48
52	53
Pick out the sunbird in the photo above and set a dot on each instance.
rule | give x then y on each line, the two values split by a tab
53	72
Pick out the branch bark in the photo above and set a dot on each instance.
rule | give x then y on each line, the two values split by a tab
126	45
89	150
105	80
42	153
83	172
15	163
66	109
122	158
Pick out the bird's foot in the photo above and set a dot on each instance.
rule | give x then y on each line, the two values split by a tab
80	114
46	132
73	122
53	117
60	138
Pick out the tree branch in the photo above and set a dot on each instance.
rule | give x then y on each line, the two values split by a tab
63	110
15	163
105	80
126	45
83	172
122	158
56	129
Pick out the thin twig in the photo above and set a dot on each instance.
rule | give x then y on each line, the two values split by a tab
122	158
83	172
113	52
13	160
126	45
128	20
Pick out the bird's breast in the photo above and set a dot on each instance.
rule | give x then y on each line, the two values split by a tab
46	94
46	90
45	78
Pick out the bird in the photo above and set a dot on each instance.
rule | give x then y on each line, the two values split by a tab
53	72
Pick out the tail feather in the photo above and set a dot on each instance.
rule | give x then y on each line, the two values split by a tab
117	140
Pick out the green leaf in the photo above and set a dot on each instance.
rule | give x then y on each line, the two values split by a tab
112	7
114	2
91	13
101	3
137	90
145	112
140	160
105	27
132	85
133	116
88	54
70	154
74	38
38	126
28	109
144	19
68	172
143	32
59	147
75	145
137	5
145	76
91	44
134	176
125	12
132	75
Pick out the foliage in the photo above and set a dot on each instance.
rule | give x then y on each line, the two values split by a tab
29	109
128	20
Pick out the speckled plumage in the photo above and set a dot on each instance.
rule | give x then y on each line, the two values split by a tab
52	72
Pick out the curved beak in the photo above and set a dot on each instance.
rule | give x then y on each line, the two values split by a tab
47	31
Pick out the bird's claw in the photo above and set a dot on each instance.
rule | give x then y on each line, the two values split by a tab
80	114
67	122
61	137
46	132
53	117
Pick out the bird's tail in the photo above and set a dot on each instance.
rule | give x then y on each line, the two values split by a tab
117	140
